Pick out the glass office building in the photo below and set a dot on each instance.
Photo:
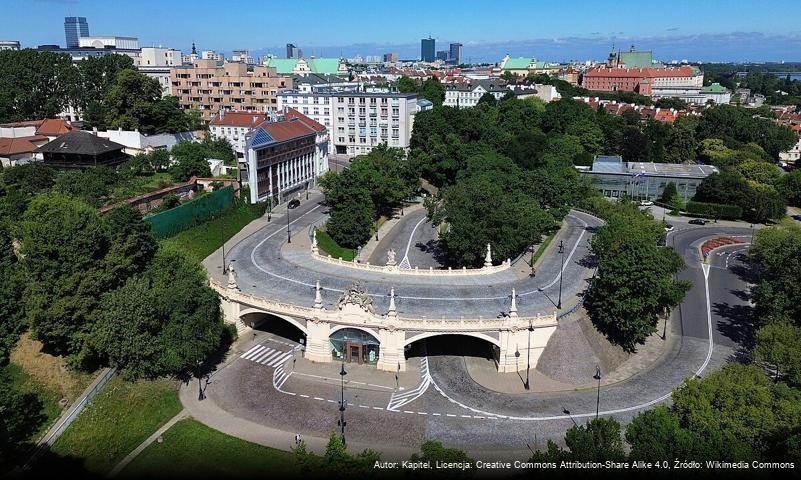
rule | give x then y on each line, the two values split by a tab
74	29
644	180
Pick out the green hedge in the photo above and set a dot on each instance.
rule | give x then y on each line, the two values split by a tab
714	210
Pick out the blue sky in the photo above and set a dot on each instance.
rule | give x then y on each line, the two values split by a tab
708	30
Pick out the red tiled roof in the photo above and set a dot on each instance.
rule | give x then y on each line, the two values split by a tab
314	125
51	127
287	130
239	119
15	146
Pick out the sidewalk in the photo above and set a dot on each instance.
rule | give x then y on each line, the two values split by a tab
158	433
211	415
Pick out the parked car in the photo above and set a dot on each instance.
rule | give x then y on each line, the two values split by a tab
797	217
669	227
294	203
646	203
697	221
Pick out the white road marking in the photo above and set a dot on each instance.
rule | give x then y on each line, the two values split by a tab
269	353
253	351
280	360
398	399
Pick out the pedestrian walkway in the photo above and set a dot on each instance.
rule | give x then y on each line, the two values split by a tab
268	356
135	453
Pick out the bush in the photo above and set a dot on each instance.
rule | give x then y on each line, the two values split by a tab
714	210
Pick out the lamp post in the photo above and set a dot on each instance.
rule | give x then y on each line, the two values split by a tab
562	252
598	397
200	394
342	421
527	385
288	233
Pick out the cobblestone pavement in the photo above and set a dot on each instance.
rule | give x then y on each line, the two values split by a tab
268	268
453	407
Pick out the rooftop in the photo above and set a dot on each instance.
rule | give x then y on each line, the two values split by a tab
82	143
616	166
238	119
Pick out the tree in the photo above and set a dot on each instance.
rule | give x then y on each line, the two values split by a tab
12	282
759	171
492	185
64	244
93	186
351	221
20	417
190	160
34	84
406	85
487	99
433	451
132	245
657	434
790	187
598	440
671	102
779	344
129	103
635	281
669	194
172	322
635	146
777	251
433	90
29	178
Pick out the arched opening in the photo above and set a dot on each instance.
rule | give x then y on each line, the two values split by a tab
469	345
353	345
275	326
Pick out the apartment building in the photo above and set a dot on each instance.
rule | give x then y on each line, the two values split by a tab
234	126
465	95
157	62
356	120
210	86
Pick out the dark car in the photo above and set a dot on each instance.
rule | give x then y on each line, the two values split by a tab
697	221
796	217
294	203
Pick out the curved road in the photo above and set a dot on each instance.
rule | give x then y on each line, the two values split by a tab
709	327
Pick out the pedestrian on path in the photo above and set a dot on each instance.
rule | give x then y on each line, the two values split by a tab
297	439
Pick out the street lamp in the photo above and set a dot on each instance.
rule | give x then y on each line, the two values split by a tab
561	251
342	421
598	398
288	233
527	385
200	394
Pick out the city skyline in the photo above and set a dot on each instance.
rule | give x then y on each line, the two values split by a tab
566	35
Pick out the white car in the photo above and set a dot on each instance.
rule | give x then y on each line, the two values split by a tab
669	227
646	203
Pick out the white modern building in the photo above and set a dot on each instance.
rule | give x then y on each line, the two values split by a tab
792	156
356	121
109	41
135	142
9	45
546	93
716	93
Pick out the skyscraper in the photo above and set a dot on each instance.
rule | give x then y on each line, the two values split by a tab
292	51
427	50
74	29
456	54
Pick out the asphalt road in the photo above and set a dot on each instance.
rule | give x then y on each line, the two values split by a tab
266	268
452	407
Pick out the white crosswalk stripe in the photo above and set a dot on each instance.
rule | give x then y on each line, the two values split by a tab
253	351
271	357
261	356
280	360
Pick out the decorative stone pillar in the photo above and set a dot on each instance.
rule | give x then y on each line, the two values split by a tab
488	257
315	250
318	298
391	357
513	308
318	345
232	277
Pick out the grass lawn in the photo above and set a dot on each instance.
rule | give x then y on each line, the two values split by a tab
542	247
22	381
192	445
328	246
119	418
201	240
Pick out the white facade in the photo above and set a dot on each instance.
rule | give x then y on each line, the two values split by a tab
135	142
125	43
9	45
212	55
468	95
793	155
155	62
695	81
356	121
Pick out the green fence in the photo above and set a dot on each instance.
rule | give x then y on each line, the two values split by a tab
191	213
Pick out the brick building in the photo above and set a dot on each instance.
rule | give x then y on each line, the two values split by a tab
641	80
